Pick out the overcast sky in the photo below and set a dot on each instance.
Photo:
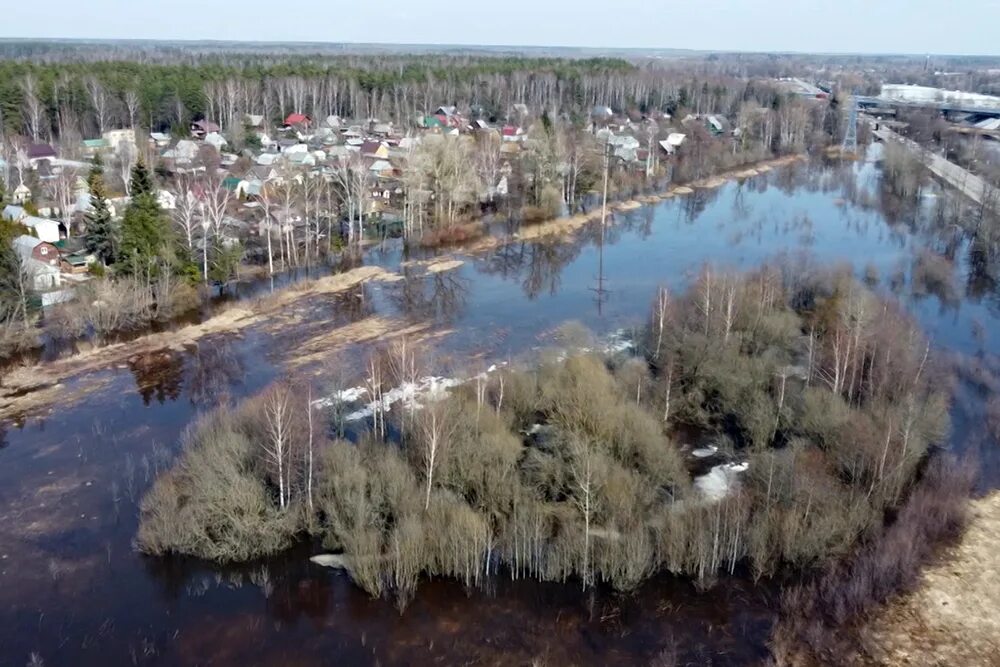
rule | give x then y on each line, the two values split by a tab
881	26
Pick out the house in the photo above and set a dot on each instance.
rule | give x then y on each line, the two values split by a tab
266	159
92	147
38	152
297	120
715	124
375	149
40	261
14	213
261	172
29	247
122	139
184	152
21	194
43	228
511	133
673	141
381	168
76	263
447	112
432	122
382	129
215	140
202	128
43	276
254	121
159	139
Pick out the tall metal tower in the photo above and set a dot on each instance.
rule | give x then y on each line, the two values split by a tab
850	144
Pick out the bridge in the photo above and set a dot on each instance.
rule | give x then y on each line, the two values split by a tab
873	103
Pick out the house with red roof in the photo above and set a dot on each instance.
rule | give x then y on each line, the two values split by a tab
298	120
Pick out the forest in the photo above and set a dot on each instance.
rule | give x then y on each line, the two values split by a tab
46	101
816	401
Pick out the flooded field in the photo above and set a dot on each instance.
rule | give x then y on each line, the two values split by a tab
74	591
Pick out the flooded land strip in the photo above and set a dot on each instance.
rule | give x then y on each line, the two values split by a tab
30	389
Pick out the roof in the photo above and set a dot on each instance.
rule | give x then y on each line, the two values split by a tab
14	213
215	139
296	119
231	183
95	143
432	121
24	244
370	147
40	151
206	125
34	221
381	165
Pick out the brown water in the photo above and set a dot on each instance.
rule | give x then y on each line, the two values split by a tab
73	590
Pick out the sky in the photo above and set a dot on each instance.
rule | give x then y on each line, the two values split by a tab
826	26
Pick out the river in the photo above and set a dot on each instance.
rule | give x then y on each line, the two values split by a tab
73	591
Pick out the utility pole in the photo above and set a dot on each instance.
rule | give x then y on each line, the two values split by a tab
601	293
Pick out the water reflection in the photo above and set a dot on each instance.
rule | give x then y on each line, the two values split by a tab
437	296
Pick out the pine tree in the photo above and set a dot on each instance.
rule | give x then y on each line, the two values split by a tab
13	282
103	236
144	229
141	182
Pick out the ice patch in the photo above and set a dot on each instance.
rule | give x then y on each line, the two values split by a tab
720	480
412	395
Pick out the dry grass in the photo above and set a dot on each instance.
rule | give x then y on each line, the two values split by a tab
954	616
32	389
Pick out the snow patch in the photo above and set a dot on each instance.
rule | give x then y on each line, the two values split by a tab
412	395
705	452
720	480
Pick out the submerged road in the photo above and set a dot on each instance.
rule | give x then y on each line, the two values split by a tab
972	186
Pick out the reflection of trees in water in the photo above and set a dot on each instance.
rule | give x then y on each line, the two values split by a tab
209	371
695	203
538	265
158	375
212	370
430	296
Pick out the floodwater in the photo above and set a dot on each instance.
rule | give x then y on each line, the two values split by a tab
74	592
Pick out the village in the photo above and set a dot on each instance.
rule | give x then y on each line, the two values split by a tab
310	186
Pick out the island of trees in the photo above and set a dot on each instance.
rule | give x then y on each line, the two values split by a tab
818	399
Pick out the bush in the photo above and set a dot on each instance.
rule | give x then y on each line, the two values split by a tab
214	504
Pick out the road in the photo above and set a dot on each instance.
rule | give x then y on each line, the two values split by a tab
974	187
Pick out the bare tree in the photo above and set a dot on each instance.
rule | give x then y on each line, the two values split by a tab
101	102
436	427
33	111
277	445
186	214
